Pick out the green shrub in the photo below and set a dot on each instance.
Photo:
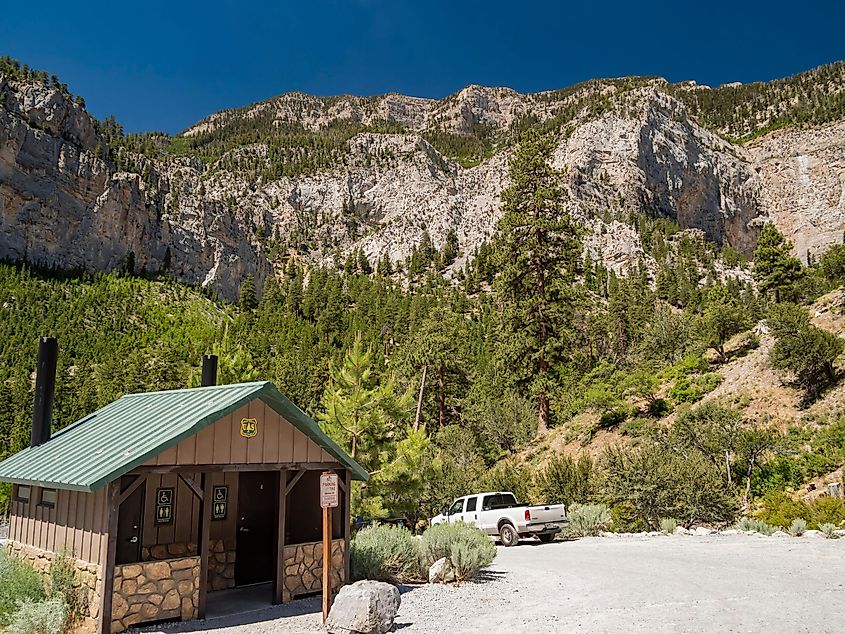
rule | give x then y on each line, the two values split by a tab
385	553
659	408
612	418
668	525
465	547
827	510
658	482
829	530
624	518
798	527
566	480
588	519
694	388
18	582
64	584
779	509
39	617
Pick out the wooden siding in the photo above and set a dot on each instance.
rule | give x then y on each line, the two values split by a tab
186	508
277	441
77	523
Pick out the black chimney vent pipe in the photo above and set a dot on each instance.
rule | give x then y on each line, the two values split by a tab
45	389
209	370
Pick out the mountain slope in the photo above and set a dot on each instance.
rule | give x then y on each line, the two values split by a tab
323	177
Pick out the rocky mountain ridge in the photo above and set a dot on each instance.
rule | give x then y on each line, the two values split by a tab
72	198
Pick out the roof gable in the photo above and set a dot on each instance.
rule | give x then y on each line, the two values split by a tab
125	434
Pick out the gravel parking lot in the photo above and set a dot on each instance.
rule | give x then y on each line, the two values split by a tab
719	583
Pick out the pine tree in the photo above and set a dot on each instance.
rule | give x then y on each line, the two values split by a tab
359	411
775	269
248	299
537	249
723	318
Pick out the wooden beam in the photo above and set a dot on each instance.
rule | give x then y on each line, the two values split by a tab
347	524
108	557
224	468
138	481
206	502
293	482
327	562
279	589
193	486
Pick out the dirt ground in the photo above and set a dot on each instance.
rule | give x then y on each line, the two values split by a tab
716	583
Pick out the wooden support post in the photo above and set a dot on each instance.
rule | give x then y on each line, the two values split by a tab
279	590
206	504
327	562
346	526
108	557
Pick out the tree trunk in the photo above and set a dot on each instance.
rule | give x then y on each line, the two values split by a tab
728	466
441	398
354	446
419	399
543	419
747	495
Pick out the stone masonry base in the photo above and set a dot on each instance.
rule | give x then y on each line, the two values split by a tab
155	591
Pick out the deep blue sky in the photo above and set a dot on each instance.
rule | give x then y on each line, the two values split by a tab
164	65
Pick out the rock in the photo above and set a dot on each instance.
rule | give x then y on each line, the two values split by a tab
157	570
703	531
171	601
441	571
781	534
729	531
364	607
814	534
609	534
680	530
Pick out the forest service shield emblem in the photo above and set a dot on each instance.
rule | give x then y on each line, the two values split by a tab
249	427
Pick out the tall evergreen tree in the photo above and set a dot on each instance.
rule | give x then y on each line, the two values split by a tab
775	269
361	412
248	299
537	250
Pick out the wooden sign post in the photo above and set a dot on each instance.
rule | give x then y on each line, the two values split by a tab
329	499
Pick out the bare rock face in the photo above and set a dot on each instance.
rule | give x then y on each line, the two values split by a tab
63	205
803	171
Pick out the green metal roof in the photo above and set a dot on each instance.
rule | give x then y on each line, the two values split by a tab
112	441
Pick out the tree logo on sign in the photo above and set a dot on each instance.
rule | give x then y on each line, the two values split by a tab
249	427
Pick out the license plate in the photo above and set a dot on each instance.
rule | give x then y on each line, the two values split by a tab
552	526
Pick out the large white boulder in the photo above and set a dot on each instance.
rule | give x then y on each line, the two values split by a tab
364	607
441	571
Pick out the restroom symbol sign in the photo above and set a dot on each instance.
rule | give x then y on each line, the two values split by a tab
220	501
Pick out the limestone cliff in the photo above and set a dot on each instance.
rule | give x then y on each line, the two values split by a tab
623	147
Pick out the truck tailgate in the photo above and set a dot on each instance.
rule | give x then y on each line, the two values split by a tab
548	513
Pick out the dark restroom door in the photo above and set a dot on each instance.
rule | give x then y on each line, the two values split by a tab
130	523
257	493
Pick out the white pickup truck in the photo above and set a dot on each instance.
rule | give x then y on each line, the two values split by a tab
498	513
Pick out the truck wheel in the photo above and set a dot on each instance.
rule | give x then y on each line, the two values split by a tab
546	538
508	535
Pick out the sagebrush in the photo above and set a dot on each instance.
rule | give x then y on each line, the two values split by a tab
39	617
385	553
588	519
465	547
19	582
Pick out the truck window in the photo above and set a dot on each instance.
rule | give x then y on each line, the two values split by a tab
498	501
472	503
457	507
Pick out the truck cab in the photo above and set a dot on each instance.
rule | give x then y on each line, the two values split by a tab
498	513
